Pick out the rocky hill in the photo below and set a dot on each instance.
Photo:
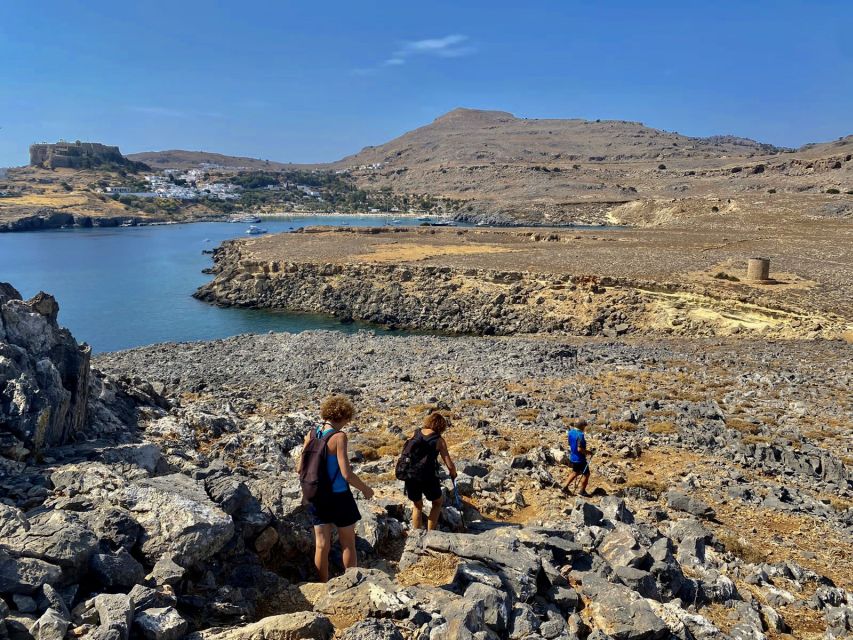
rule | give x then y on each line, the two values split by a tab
506	169
80	155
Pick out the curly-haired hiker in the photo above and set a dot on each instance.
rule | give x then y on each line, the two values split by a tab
418	468
326	475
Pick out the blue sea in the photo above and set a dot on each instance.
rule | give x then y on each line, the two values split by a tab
126	287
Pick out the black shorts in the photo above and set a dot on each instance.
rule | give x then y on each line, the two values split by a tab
417	490
581	468
340	510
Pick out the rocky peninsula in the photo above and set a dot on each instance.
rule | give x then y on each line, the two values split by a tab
526	281
151	493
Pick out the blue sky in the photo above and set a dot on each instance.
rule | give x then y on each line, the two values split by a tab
314	81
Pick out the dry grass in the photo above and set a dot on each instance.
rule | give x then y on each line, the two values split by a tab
619	425
434	569
527	415
411	252
663	428
743	426
740	548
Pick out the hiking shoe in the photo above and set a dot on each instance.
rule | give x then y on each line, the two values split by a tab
583	494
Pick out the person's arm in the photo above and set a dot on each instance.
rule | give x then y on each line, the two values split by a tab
582	445
346	469
445	456
304	444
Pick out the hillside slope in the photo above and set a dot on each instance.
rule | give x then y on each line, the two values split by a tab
501	168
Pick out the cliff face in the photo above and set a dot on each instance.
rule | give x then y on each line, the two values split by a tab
484	301
44	374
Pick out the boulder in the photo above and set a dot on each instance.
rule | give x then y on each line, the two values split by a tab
621	549
682	502
57	537
115	612
620	612
586	513
303	625
177	519
159	624
26	575
359	594
117	527
44	373
116	569
52	625
499	549
496	605
372	630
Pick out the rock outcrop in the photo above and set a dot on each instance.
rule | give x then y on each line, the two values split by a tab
78	155
44	374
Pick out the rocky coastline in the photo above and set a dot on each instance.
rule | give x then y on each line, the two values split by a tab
53	219
162	502
484	301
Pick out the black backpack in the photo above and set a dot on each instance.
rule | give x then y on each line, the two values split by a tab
314	474
418	458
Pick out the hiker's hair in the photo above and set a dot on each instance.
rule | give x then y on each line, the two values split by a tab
336	409
436	422
578	423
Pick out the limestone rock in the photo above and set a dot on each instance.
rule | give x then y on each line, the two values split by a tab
620	612
44	373
115	612
303	625
116	569
52	625
372	630
57	537
160	624
177	518
25	575
361	593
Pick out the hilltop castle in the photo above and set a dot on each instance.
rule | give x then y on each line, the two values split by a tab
74	155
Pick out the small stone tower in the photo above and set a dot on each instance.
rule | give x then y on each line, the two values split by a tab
758	269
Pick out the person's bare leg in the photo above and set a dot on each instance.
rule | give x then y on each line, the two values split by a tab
417	514
322	544
434	514
346	536
584	481
568	486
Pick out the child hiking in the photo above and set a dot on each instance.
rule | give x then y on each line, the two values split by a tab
418	468
326	475
578	457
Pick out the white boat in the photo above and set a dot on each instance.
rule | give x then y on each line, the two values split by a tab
247	219
255	231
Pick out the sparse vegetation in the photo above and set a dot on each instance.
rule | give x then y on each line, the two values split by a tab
722	275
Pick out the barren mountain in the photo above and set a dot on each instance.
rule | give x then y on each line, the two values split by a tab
503	168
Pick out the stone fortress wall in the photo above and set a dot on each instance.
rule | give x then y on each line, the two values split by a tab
74	155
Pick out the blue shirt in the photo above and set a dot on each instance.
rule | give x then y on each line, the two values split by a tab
339	483
577	441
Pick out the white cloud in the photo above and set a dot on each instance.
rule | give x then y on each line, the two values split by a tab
452	46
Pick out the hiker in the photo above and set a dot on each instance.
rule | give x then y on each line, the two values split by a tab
578	457
326	475
418	468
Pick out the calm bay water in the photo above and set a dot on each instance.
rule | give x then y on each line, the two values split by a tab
125	287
